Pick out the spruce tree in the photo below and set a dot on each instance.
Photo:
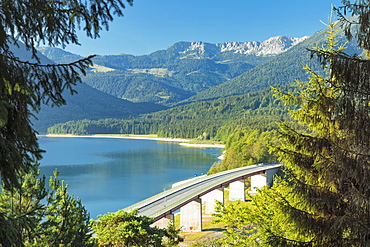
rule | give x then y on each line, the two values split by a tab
36	216
323	197
26	84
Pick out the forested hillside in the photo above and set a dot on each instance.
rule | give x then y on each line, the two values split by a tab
283	69
136	87
182	70
215	119
90	103
186	69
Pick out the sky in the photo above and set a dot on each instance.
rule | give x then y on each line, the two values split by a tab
151	25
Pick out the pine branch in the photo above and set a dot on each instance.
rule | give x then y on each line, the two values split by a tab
85	61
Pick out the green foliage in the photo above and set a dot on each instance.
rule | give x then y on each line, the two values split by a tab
214	120
283	69
262	221
27	81
323	170
36	216
235	216
246	147
123	228
322	199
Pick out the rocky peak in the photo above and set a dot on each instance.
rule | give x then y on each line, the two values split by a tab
270	47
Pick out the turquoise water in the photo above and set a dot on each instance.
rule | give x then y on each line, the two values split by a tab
109	174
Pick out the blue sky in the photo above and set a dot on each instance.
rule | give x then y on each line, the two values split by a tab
151	25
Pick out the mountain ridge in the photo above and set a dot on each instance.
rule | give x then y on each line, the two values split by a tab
272	46
282	69
88	103
178	72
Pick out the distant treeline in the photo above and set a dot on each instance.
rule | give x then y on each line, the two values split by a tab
215	119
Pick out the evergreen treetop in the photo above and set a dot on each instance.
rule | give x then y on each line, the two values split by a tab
322	199
25	84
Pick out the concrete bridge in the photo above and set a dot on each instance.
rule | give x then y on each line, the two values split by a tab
193	195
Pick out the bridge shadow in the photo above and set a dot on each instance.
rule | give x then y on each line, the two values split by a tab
217	229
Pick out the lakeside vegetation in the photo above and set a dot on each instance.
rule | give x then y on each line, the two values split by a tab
205	120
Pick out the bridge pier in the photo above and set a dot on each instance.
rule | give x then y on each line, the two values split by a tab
191	216
209	200
270	175
258	181
237	191
164	222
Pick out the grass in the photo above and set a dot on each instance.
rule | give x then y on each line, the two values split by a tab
209	230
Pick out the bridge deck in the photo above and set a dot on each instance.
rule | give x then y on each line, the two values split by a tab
171	200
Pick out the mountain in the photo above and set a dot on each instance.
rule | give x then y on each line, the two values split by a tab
245	99
58	55
213	119
89	103
282	69
270	47
177	73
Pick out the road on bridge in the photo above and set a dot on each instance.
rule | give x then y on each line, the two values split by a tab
171	200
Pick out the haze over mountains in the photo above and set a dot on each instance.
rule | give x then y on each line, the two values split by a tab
192	71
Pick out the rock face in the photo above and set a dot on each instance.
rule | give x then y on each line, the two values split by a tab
272	46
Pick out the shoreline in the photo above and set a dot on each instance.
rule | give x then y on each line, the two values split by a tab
202	145
182	142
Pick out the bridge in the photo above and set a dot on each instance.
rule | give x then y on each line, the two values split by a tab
188	195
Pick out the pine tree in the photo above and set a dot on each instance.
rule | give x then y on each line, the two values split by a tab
36	216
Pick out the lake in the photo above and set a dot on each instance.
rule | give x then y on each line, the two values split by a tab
109	174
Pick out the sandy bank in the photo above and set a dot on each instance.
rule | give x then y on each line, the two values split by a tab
121	137
183	142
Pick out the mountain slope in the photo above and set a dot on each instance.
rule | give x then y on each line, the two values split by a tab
283	69
91	104
214	119
180	71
